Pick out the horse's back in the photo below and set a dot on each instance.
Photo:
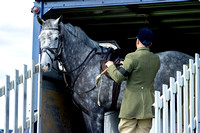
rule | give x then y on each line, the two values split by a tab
171	61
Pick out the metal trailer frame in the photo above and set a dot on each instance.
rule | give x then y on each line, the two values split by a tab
46	5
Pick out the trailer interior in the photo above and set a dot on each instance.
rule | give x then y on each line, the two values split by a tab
176	25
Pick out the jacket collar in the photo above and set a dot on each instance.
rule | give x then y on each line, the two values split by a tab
143	48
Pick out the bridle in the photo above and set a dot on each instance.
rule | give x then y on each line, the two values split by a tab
55	51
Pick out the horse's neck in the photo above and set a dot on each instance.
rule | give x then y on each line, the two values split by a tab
80	35
75	47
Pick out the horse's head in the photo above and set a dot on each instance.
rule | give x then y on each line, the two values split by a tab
50	42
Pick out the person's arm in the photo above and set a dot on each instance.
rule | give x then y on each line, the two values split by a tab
123	72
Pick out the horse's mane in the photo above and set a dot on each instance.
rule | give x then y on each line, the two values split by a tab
78	33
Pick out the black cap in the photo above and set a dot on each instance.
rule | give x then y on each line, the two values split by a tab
145	36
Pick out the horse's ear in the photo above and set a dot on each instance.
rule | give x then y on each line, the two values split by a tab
58	20
41	21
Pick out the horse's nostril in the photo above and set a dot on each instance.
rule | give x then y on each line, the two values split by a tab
48	65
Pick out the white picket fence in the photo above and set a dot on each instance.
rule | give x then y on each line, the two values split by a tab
27	124
184	93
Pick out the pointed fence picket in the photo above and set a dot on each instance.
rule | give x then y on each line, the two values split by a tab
34	116
178	109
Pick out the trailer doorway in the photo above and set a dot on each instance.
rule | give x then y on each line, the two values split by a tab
176	26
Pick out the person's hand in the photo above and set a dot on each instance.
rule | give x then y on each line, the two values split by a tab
121	63
108	63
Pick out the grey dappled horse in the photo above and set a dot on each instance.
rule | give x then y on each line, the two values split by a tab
78	54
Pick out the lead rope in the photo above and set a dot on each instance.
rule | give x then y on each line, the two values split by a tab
98	102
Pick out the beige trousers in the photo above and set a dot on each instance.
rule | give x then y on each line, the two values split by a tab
135	125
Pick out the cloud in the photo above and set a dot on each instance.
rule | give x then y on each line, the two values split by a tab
15	50
15	37
15	42
18	13
12	58
10	35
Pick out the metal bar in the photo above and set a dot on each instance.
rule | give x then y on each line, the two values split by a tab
16	93
160	114
6	120
191	67
28	122
165	109
172	105
24	100
39	122
74	4
32	97
197	93
185	90
179	103
157	111
36	33
41	10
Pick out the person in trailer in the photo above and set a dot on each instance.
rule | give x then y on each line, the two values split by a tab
139	69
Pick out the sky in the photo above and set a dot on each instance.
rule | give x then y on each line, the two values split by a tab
16	26
16	33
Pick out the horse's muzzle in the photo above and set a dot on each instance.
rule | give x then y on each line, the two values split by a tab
45	68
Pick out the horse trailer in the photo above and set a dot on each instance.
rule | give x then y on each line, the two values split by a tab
175	24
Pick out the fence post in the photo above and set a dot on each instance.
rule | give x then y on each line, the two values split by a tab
16	82
165	109
197	93
157	112
7	88
39	121
32	97
189	83
185	90
179	102
172	105
191	65
24	100
5	91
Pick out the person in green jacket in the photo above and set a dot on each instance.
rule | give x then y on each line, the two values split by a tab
139	69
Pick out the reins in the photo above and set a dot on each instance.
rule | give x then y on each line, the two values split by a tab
93	50
82	66
57	53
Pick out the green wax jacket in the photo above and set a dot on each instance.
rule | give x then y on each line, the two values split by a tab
142	66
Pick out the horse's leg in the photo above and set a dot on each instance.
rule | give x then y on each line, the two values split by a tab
98	119
88	123
95	121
